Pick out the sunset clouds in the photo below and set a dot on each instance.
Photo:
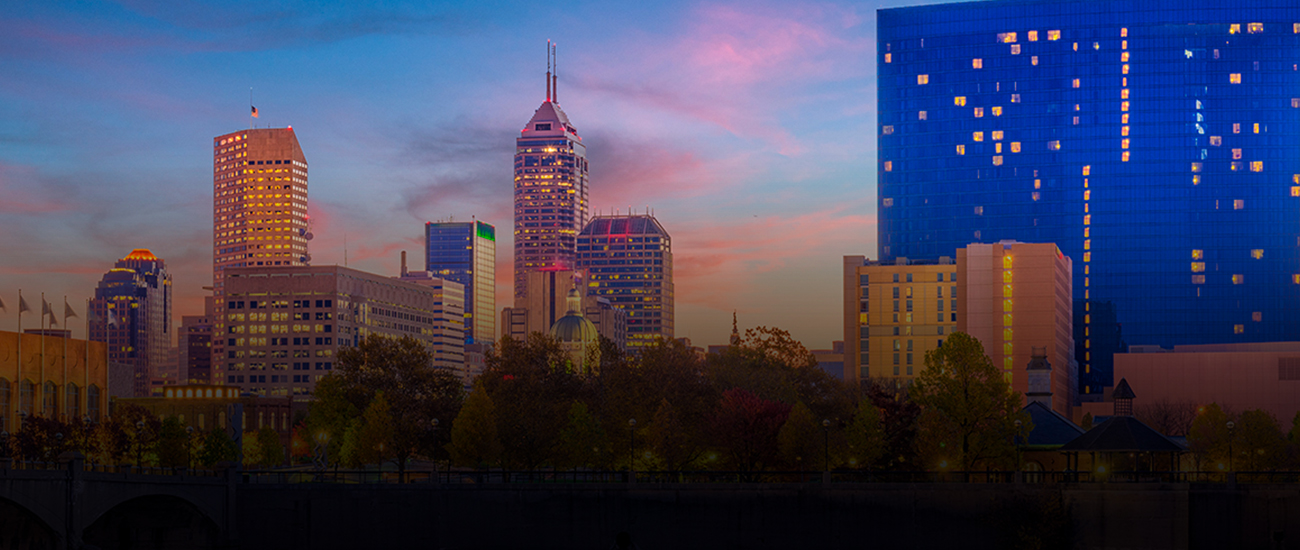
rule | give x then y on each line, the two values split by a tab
747	127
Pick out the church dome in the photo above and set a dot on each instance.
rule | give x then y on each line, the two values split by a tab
575	333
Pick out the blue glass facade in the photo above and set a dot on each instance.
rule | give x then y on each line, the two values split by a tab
1154	143
465	252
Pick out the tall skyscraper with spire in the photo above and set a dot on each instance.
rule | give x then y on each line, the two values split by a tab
550	189
259	212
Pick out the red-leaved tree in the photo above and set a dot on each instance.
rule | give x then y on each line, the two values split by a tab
745	428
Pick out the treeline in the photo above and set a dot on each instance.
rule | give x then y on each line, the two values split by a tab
762	404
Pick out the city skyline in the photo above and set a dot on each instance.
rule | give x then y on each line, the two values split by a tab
678	115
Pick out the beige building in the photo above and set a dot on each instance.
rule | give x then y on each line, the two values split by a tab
1016	297
547	302
51	377
893	314
285	325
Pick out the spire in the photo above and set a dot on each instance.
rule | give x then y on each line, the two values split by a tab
555	79
548	70
735	331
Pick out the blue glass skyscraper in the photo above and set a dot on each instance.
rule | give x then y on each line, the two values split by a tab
465	252
1155	143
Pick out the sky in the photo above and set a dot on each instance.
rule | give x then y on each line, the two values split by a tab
748	128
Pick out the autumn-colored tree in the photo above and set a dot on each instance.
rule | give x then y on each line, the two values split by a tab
216	447
129	434
637	389
1258	442
474	439
582	441
865	437
745	428
969	408
42	439
801	440
1208	438
899	417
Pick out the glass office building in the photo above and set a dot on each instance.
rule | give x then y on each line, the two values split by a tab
628	259
1155	143
466	252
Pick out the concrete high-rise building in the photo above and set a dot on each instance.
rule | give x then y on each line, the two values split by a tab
550	192
629	260
1016	301
895	312
195	342
447	330
259	211
133	315
466	252
285	325
1152	141
547	302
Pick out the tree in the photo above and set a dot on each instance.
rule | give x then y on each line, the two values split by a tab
866	436
173	444
416	393
1086	422
669	440
1208	438
1167	417
531	391
374	440
42	439
968	406
216	446
800	439
270	450
899	417
1259	442
745	428
349	449
474	440
582	441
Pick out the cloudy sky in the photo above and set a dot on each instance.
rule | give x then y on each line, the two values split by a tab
746	126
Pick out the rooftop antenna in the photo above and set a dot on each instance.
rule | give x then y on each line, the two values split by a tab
555	79
548	70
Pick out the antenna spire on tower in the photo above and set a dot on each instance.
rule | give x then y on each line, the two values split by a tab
548	70
555	79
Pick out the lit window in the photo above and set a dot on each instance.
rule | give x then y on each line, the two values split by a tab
1053	35
1124	156
1033	61
922	79
1075	83
1257	253
961	150
1255	28
1256	166
1236	154
1196	167
1295	279
1123	94
887	130
1087	244
1123	130
1015	98
997	148
1087	256
1033	35
889	58
1038	184
1234	28
1295	191
979	112
1006	37
1076	121
1238	329
1123	57
1087	170
1123	32
1216	141
979	210
1035	196
1216	53
1238	204
977	63
1123	106
959	101
1198	267
1123	69
1198	279
997	134
1295	28
1256	127
1234	78
1123	144
1015	148
1295	178
978	136
1235	166
1198	254
1015	49
1123	119
921	115
887	202
1054	145
1076	46
1087	220
1196	180
889	166
997	160
1295	102
1236	127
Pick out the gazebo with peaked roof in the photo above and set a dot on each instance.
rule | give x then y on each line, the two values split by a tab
1121	435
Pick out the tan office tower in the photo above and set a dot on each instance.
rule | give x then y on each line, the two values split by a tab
259	212
894	312
1016	297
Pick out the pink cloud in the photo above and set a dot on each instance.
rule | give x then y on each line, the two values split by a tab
21	193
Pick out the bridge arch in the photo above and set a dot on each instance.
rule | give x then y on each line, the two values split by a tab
21	528
153	521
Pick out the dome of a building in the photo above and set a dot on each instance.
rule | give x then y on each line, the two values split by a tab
141	254
575	333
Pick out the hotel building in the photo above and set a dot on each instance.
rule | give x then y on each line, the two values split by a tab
895	312
1153	142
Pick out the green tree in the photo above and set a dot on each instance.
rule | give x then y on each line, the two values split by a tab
801	439
866	436
968	406
215	447
1086	422
270	450
416	393
1208	438
531	391
350	455
582	441
1259	442
669	439
374	440
173	444
474	439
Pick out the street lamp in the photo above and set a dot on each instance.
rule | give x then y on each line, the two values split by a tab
826	445
631	464
1231	425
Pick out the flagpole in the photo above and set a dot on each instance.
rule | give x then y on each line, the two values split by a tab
45	306
18	403
85	388
65	361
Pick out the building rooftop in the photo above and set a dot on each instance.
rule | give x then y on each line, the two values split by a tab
636	224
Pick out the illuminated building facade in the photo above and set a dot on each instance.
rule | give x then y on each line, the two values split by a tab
629	260
895	312
259	210
195	342
52	381
133	315
550	192
1015	299
285	325
466	252
1153	142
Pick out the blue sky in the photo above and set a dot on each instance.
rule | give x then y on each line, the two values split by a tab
747	126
